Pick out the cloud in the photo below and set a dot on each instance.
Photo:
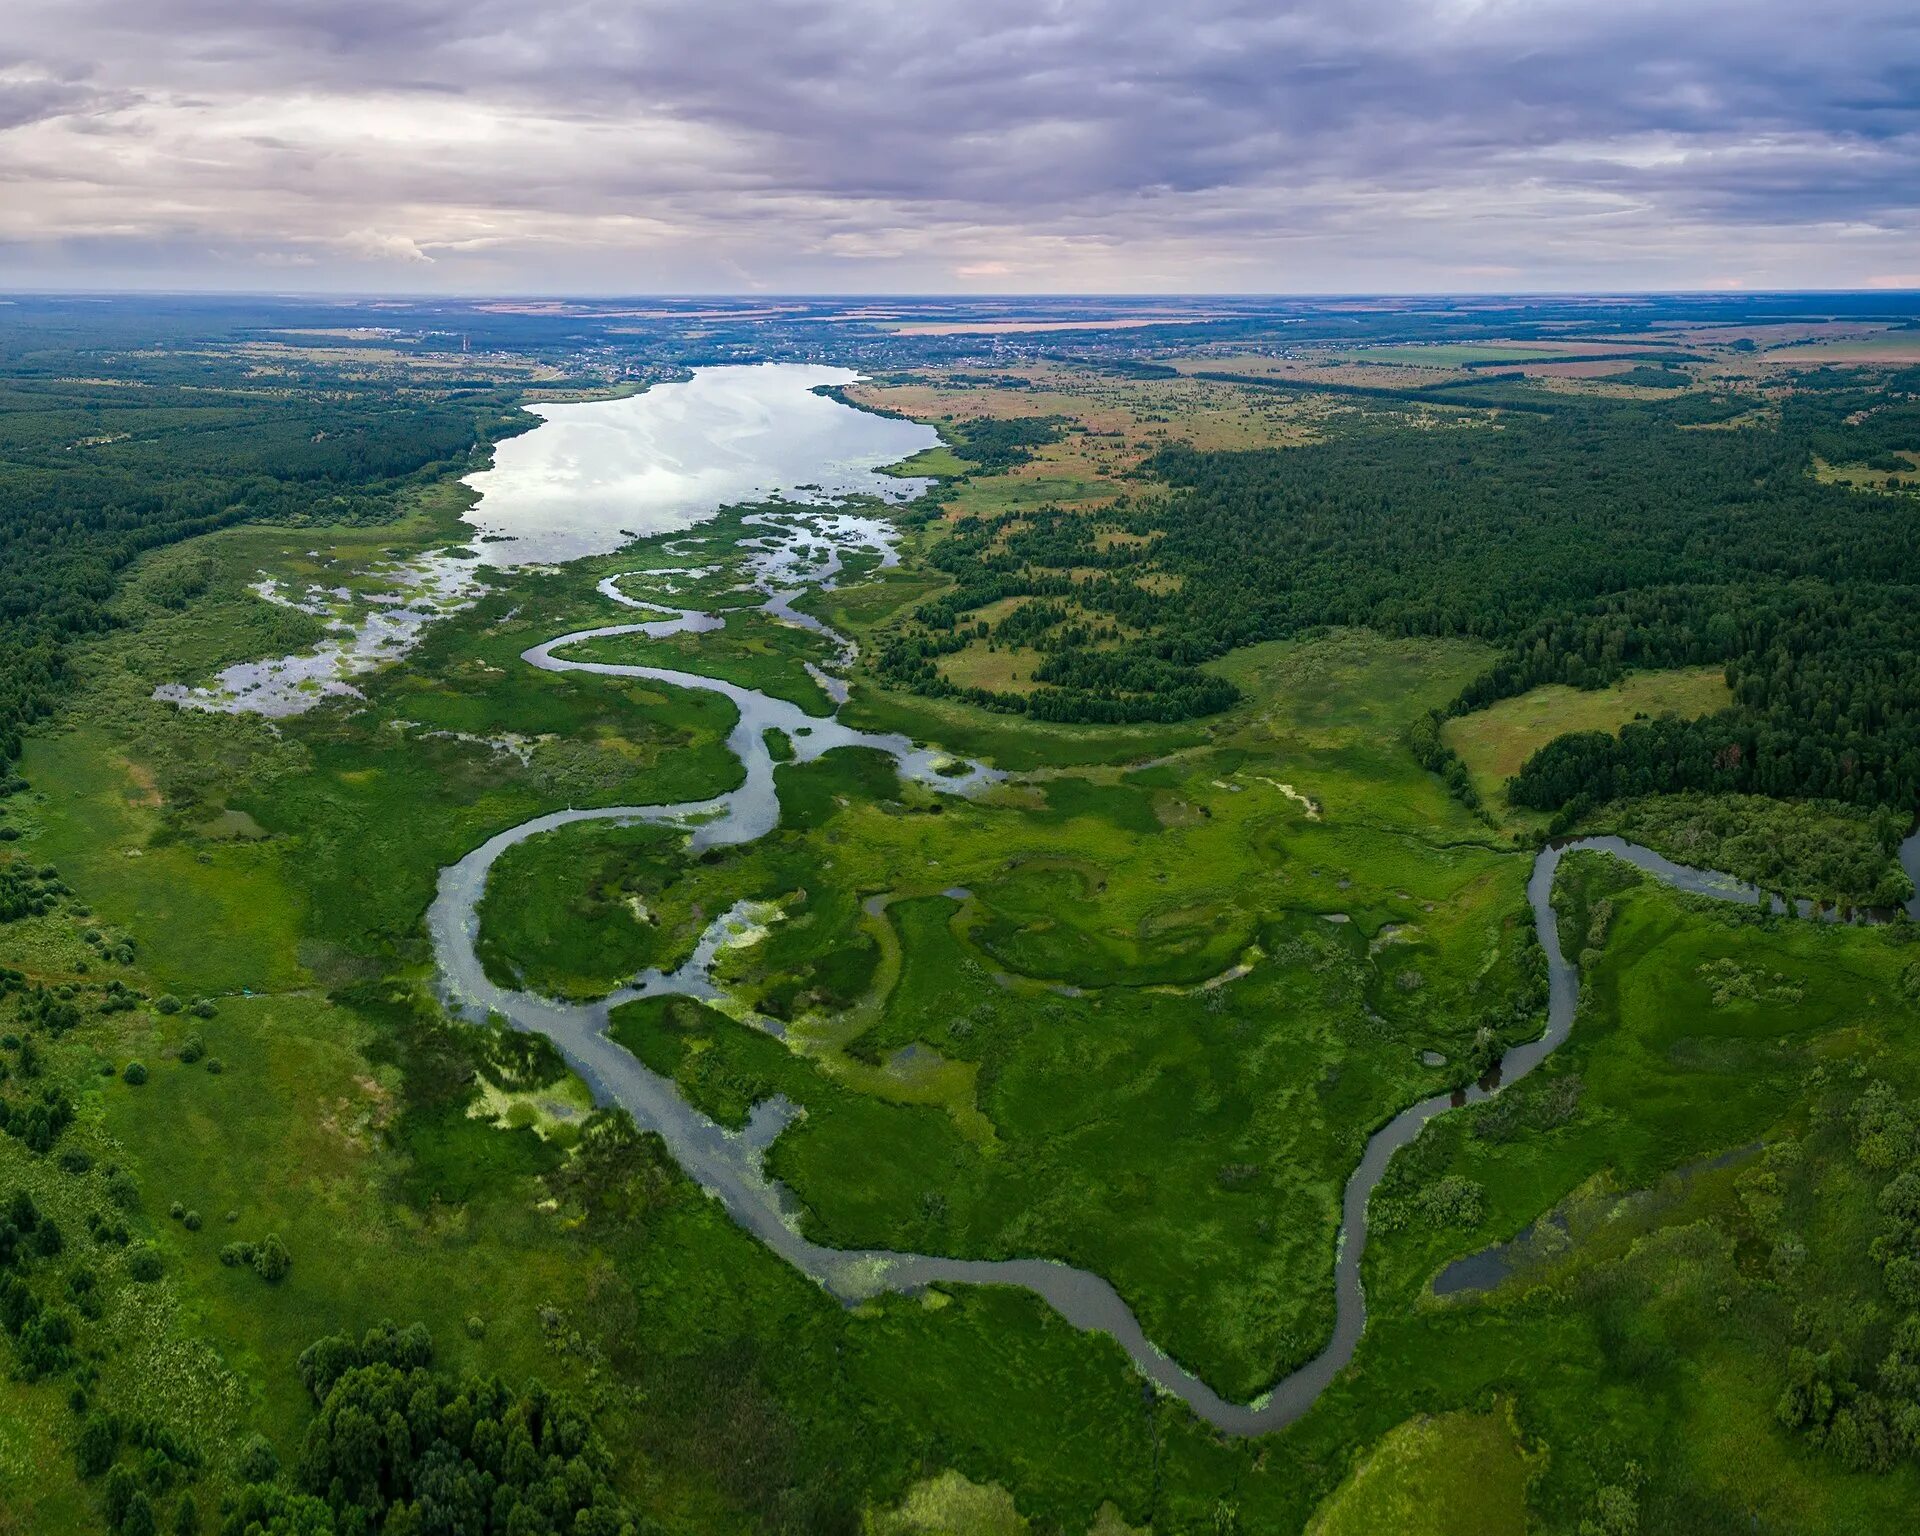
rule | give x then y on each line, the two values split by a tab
372	245
1057	143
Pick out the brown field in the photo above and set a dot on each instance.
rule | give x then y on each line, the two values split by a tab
1002	670
1116	423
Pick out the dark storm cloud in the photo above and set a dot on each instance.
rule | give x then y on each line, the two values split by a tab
785	133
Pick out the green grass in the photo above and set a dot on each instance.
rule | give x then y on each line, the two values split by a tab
1458	1474
1654	1338
971	1113
941	462
579	911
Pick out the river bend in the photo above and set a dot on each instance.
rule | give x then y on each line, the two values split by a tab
792	552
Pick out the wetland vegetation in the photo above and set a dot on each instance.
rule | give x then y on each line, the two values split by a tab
1136	1006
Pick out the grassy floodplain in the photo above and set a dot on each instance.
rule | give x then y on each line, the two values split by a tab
1186	940
1136	1008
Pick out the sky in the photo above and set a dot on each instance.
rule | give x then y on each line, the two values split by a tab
927	146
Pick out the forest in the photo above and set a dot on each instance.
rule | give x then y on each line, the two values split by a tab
1581	543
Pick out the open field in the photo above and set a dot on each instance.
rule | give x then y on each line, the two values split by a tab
1901	347
1862	477
1443	355
1495	741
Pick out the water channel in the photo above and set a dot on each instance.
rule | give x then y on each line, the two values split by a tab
788	553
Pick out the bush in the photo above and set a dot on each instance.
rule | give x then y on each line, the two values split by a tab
166	1002
134	1075
213	1065
270	1260
1453	1201
192	1049
191	1221
144	1265
121	1487
98	1444
139	1519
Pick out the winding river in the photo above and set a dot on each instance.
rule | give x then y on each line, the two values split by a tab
789	552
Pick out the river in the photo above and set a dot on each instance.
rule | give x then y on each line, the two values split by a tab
789	552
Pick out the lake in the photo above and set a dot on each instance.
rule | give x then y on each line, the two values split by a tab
595	474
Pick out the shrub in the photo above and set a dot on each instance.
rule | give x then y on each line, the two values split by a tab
134	1075
99	1442
192	1049
271	1261
144	1265
166	1002
213	1065
1454	1201
139	1519
121	1487
191	1221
